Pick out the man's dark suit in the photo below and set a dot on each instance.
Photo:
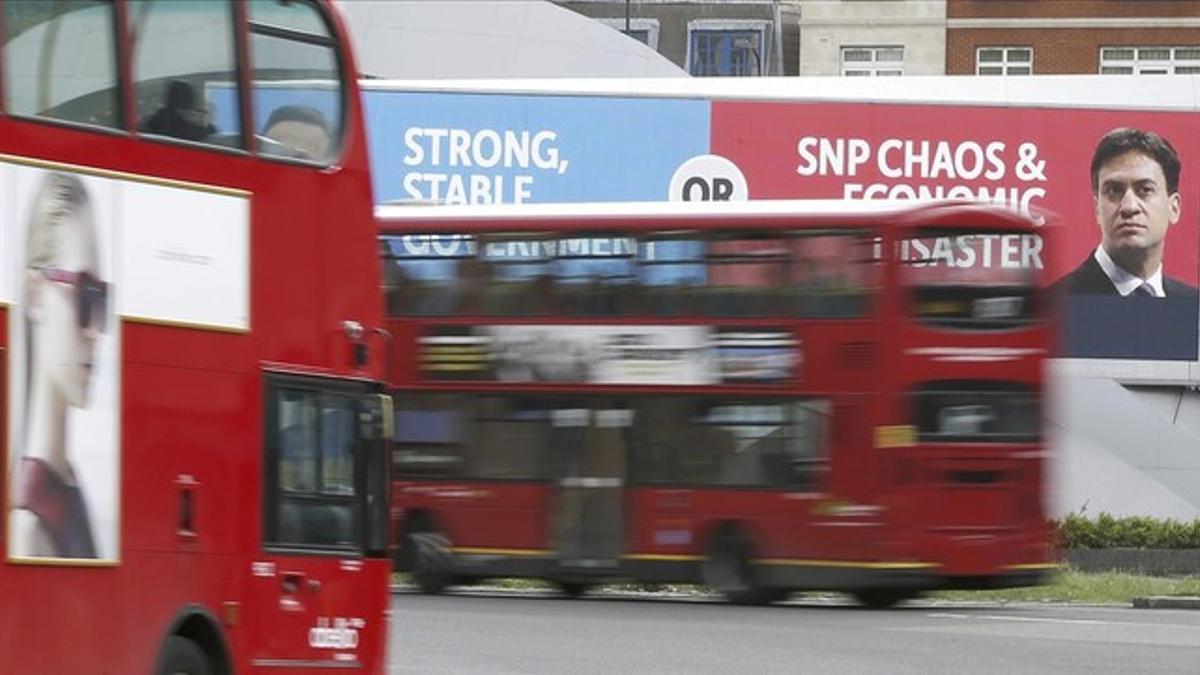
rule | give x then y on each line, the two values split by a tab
1098	323
1089	279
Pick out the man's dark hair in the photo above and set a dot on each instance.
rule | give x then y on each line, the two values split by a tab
297	113
1127	139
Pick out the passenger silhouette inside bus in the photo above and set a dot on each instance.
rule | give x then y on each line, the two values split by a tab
300	131
181	115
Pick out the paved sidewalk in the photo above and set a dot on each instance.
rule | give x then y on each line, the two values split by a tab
1167	602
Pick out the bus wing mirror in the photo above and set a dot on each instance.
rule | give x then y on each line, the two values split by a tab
377	420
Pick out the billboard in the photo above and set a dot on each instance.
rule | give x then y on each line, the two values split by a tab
82	251
492	149
1025	158
1027	145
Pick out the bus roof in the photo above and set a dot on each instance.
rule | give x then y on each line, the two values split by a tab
403	218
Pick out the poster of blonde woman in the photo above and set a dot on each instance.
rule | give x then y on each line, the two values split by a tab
63	367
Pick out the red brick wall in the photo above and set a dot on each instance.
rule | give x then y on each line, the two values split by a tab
960	9
1063	50
1057	50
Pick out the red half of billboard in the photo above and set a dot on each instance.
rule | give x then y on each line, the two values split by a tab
1126	261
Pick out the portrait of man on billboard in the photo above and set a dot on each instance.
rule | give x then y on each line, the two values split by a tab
1118	298
1135	182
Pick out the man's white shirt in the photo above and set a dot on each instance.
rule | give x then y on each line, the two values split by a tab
1125	282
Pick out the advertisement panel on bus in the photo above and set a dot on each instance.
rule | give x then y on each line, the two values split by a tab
124	249
616	355
1031	151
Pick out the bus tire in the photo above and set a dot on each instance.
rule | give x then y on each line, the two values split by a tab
883	598
432	561
181	656
729	569
573	589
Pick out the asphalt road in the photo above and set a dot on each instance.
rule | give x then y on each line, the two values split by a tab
507	632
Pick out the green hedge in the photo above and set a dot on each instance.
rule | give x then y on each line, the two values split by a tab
1107	531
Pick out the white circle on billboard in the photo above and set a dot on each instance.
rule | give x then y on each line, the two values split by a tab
708	178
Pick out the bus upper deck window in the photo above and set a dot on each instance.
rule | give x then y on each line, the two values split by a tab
297	87
184	73
60	61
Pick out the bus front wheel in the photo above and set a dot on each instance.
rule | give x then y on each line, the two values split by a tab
182	656
729	570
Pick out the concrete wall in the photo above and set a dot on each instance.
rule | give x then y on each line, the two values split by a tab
1126	450
918	25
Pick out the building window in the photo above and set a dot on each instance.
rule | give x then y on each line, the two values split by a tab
872	61
1149	60
1004	61
728	47
642	30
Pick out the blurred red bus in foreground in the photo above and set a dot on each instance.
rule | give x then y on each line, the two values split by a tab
196	478
763	397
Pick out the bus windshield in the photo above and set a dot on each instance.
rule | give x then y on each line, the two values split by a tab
972	279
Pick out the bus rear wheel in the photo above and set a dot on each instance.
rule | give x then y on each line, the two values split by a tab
181	656
431	561
729	570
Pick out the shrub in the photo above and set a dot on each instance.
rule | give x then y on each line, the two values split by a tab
1108	531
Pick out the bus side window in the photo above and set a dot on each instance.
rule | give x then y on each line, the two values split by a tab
431	436
745	276
672	274
297	86
184	70
832	274
311	441
807	447
596	273
60	61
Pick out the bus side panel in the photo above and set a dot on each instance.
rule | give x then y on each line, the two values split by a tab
481	514
80	632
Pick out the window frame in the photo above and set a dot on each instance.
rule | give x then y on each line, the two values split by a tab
243	30
651	26
923	399
130	84
808	472
761	26
1005	64
1136	65
439	290
810	478
872	67
333	41
363	529
119	36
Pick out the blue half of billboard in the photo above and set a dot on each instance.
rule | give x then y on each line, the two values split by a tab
492	149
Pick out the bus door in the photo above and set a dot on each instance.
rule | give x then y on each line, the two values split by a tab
590	452
314	584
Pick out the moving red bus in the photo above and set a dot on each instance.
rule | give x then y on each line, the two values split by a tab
760	396
194	418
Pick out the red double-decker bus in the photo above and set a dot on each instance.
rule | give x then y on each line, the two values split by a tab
763	396
196	475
